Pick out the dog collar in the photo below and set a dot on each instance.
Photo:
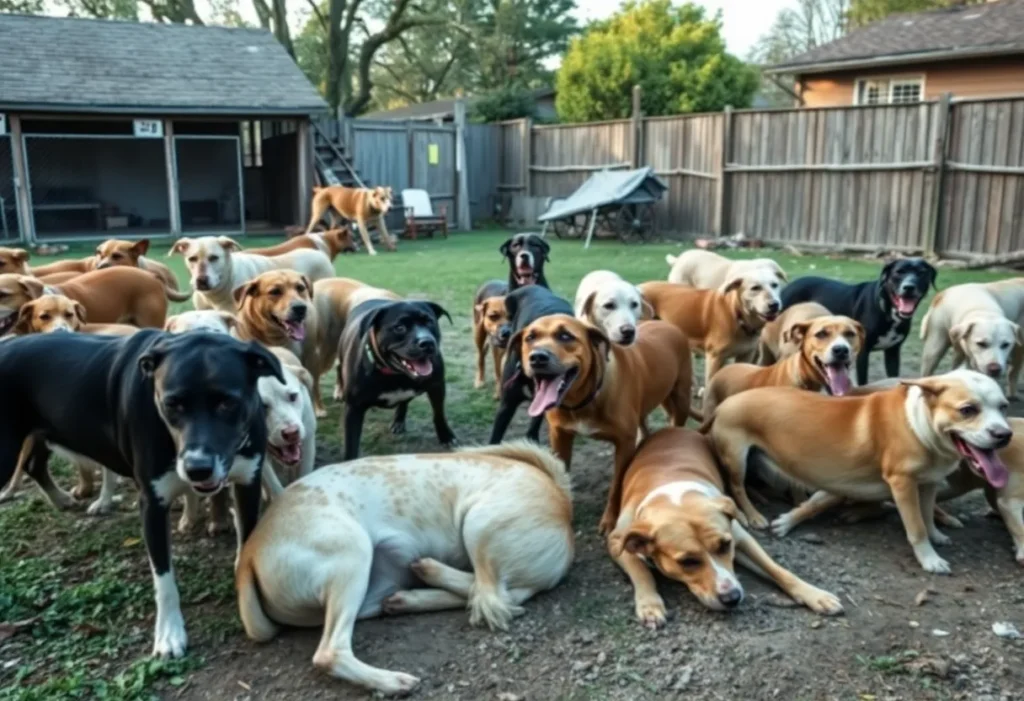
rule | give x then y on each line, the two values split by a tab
589	398
373	355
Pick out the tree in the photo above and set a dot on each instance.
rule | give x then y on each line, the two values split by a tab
505	103
864	12
675	53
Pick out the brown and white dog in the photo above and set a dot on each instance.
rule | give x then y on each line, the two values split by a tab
776	342
898	443
330	242
709	271
586	385
828	346
484	529
722	324
14	261
491	329
132	254
356	204
613	305
675	517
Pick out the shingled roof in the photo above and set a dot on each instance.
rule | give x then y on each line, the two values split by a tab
991	29
58	64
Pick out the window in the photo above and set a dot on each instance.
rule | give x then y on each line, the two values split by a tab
882	91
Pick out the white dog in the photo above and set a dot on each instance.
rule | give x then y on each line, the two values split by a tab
710	271
613	305
212	320
485	529
983	324
216	268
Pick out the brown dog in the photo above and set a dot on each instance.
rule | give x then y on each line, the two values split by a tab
356	204
721	324
585	385
113	252
490	329
675	515
79	266
14	261
775	343
52	313
827	347
330	242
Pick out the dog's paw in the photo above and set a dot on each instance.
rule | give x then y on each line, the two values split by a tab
100	508
478	383
1020	556
185	524
757	521
939	538
339	393
320	412
607	524
651	613
398	428
82	491
396	603
820	601
783	524
393	683
934	564
215	527
426	569
170	639
450	442
372	252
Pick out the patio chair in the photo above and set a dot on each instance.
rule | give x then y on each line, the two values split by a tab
420	217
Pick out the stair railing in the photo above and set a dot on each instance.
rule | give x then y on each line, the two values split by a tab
337	152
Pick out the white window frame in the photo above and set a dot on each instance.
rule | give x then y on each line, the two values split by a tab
891	81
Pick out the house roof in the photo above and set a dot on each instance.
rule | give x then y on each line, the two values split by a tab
991	29
436	109
59	64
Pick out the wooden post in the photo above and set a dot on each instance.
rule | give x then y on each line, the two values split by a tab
638	125
411	155
22	196
305	167
721	222
526	127
462	216
939	161
171	159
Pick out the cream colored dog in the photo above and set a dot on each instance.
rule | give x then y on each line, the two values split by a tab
613	305
710	271
212	320
484	529
983	324
898	443
216	268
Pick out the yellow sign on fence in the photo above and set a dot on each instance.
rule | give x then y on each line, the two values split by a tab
433	154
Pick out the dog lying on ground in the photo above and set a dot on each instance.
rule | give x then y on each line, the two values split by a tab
613	305
356	204
486	529
330	243
490	329
51	313
776	342
526	254
584	384
898	443
721	324
523	306
114	252
217	268
172	412
675	517
983	324
884	307
709	271
390	352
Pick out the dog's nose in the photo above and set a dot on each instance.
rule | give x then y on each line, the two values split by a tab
1001	435
297	312
994	369
504	333
104	264
731	598
427	345
628	333
774	307
199	468
291	435
202	280
540	359
840	352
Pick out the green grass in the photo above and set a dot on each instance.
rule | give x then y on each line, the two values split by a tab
81	587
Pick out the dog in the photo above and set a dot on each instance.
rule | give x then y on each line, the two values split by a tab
14	261
526	254
613	305
709	271
884	307
675	517
56	313
776	342
490	329
898	443
331	243
484	529
723	324
133	254
217	268
356	204
586	385
173	412
210	320
523	306
827	346
983	324
390	352
78	266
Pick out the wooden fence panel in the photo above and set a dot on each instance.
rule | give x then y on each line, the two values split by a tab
483	168
380	153
566	155
684	152
436	176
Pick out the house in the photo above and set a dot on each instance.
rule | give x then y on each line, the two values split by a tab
444	110
111	128
971	51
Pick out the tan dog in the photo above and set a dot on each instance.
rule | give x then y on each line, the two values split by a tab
589	386
330	242
983	324
722	325
114	252
776	342
710	271
491	329
356	204
217	268
898	443
828	345
676	518
14	261
51	313
79	266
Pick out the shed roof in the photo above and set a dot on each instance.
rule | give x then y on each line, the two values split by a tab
60	64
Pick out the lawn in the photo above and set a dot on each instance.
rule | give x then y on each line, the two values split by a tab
76	606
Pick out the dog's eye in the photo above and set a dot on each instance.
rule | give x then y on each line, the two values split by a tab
530	337
275	292
293	397
494	317
610	306
723	547
68	315
634	305
775	285
822	335
301	289
565	337
1004	345
968	410
45	317
173	406
690	563
193	259
116	256
850	334
756	288
400	329
213	259
983	344
226	406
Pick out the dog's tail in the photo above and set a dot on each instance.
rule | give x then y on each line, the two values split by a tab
250	608
489	600
532	454
670	259
176	295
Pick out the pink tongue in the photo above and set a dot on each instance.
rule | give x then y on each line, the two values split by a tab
296	332
545	396
422	367
905	306
290	453
838	380
994	469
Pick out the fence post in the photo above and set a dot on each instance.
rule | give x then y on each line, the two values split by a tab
171	169
462	217
22	195
411	173
721	223
638	125
939	162
526	127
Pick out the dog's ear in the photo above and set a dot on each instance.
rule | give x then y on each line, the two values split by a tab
439	311
263	363
309	286
99	250
503	249
511	306
598	339
781	274
734	284
961	332
1018	333
637	539
516	340
141	247
795	333
32	286
887	268
230	320
248	289
304	376
180	246
861	335
20	255
544	246
151	359
727	506
79	310
646	308
588	306
933	386
171	323
229	244
24	323
933	274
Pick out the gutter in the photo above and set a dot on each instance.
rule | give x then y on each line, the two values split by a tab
892	60
163	110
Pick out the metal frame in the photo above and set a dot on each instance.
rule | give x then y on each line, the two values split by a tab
239	156
5	225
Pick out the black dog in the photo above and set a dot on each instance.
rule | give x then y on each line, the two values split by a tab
390	353
885	307
173	412
526	255
524	306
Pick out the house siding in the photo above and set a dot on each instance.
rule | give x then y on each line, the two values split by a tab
992	77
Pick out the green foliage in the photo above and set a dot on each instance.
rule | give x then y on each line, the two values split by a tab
863	12
505	103
674	52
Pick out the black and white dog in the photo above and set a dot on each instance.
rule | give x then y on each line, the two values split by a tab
389	353
524	306
526	254
885	307
172	412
